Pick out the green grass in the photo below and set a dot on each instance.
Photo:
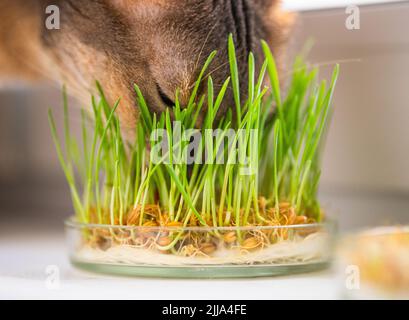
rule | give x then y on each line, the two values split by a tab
112	179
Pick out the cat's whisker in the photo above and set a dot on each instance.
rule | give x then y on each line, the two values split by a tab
222	65
203	46
215	69
324	64
220	86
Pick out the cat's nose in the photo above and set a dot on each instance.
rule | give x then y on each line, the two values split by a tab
166	100
184	95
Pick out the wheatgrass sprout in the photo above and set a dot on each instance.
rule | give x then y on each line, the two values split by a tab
261	169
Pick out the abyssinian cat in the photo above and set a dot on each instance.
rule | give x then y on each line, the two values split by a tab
158	44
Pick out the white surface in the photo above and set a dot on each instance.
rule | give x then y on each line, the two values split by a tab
24	260
28	246
303	5
24	256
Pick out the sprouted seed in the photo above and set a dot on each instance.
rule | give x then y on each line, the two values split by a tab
114	181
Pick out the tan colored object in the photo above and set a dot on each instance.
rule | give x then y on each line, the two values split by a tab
382	255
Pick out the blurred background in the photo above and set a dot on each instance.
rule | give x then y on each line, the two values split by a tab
366	169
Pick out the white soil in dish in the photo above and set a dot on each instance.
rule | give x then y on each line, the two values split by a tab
313	248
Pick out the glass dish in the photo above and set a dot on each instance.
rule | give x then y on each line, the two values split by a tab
200	252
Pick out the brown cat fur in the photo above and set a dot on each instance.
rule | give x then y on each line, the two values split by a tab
158	44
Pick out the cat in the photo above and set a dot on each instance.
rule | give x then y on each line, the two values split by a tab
158	44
